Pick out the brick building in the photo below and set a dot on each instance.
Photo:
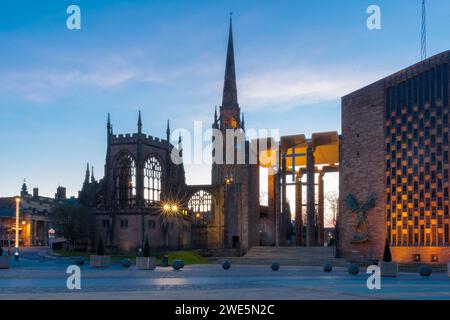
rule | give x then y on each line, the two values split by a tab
394	166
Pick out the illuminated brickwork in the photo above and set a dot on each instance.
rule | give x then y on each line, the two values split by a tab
395	144
417	160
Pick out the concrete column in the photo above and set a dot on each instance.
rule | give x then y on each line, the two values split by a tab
272	216
298	209
278	209
310	210
283	186
321	210
33	231
278	199
283	215
46	233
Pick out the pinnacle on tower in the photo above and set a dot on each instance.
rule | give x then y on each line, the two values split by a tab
168	131
216	120
87	176
139	124
180	145
92	175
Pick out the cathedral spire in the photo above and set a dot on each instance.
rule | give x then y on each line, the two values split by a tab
139	123
243	122
229	99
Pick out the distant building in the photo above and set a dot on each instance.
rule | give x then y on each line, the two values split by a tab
395	147
33	225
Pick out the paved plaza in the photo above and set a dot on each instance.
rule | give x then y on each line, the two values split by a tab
37	277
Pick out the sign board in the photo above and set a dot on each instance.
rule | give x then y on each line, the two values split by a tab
51	233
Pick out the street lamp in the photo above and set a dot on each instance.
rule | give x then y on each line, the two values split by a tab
16	253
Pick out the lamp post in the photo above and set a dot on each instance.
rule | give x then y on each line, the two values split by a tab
16	244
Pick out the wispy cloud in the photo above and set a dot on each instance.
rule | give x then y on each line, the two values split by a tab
282	89
41	85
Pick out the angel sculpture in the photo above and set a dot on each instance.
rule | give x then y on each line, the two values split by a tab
362	227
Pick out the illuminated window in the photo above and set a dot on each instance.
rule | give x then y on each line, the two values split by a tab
152	180
417	159
201	203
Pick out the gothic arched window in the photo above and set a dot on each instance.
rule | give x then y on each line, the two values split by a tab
125	181
152	180
201	203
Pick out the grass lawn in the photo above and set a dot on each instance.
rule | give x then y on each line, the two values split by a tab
189	257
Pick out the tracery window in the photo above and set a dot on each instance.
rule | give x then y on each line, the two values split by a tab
125	181
201	203
152	180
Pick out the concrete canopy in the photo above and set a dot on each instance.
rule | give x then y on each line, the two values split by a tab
326	150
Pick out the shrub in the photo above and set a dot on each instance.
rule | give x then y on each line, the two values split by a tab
165	261
146	252
387	257
100	248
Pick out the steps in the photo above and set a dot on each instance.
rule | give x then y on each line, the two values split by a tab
291	256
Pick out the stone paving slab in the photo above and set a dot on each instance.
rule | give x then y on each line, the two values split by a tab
46	279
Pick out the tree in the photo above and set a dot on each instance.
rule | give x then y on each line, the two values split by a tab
387	257
70	220
146	249
333	203
100	248
332	199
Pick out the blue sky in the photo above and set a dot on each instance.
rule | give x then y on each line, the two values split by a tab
294	61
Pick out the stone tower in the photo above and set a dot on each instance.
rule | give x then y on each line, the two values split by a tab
231	171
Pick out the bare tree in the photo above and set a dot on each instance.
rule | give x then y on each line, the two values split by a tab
263	198
332	199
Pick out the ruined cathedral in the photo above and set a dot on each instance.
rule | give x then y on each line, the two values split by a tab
144	195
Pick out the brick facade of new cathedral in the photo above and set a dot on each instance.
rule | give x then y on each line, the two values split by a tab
395	148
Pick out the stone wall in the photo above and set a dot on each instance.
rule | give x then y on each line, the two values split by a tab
128	236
